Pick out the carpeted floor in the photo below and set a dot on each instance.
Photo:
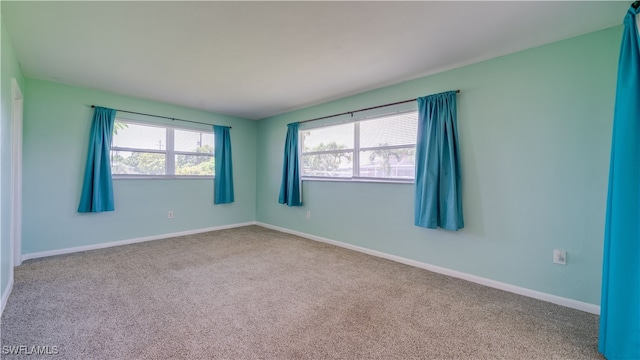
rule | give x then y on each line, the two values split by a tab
254	293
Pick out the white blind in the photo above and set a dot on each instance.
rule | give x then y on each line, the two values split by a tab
327	138
140	137
400	129
192	141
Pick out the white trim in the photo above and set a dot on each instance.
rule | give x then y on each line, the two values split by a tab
5	295
15	226
130	241
358	179
570	303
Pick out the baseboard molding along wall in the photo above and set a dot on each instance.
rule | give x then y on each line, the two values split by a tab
130	241
570	303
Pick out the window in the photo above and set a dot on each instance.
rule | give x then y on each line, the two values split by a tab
380	148
144	150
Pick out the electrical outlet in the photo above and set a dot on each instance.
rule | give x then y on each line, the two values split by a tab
559	257
308	214
170	214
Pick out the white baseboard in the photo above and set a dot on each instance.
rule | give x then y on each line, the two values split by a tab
570	303
130	241
5	294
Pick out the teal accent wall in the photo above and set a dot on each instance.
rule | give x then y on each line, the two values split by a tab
10	68
535	131
57	119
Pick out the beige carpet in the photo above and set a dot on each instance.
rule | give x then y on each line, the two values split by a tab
254	293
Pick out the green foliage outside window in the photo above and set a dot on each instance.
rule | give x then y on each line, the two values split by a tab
196	165
325	162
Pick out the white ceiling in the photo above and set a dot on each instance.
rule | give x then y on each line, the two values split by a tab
258	59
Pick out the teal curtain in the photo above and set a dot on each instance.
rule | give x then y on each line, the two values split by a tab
97	187
620	303
438	198
223	183
290	190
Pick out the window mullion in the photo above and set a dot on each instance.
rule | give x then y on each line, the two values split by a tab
170	159
339	151
152	151
356	149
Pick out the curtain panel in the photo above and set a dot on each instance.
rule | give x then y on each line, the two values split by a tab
223	182
620	303
291	187
438	198
97	186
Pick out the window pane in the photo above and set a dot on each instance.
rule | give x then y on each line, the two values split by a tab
388	163
327	138
194	165
333	165
139	136
400	129
193	141
137	163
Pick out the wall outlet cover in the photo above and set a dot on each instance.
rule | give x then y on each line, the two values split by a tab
560	257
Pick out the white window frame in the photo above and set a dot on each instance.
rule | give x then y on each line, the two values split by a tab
355	177
169	151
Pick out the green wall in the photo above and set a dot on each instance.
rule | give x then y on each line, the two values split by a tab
534	130
10	68
57	120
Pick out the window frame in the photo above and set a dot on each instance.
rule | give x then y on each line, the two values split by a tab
355	151
169	152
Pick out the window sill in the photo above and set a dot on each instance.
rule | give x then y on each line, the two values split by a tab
360	180
160	177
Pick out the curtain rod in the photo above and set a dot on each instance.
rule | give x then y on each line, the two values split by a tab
164	117
365	109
